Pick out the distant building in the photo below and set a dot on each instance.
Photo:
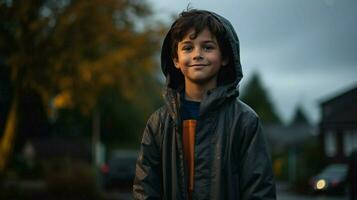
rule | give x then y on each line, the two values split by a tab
295	134
44	149
281	138
288	141
338	126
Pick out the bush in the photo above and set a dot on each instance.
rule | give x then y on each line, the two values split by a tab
71	180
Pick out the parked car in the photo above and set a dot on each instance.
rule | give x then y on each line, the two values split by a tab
332	180
119	171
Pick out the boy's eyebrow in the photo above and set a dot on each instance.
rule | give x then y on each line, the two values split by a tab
185	42
209	41
205	41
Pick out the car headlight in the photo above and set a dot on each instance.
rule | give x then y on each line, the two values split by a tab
320	184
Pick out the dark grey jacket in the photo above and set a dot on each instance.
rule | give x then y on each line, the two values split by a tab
231	156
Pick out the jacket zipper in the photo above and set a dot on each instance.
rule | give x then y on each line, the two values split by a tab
183	168
178	130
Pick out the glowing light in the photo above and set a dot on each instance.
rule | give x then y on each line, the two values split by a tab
320	184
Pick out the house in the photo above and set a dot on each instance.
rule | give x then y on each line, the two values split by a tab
338	126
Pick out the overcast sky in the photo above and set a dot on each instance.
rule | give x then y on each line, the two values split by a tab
304	50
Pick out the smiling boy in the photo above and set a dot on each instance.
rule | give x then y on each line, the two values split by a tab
204	143
199	59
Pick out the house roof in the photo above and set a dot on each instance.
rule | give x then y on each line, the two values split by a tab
341	108
295	134
337	97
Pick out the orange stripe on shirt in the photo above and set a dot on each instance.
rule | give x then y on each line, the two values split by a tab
189	127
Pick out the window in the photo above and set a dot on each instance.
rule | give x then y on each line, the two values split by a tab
330	144
350	141
347	142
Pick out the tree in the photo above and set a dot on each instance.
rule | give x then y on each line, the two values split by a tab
68	51
256	96
299	116
5	93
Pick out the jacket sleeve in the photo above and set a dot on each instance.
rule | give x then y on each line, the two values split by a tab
147	182
256	174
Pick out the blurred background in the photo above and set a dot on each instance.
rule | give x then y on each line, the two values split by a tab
79	79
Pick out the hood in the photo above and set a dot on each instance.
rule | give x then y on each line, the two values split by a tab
174	78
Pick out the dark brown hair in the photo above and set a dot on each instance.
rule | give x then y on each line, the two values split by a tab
198	20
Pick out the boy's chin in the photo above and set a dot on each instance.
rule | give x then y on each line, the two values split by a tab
202	81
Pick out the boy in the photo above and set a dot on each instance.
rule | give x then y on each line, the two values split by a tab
204	143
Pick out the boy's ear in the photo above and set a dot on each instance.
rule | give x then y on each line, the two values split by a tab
225	61
175	60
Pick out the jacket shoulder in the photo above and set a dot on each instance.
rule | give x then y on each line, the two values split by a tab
155	125
157	120
243	115
245	110
158	116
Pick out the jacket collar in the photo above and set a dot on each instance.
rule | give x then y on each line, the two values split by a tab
211	100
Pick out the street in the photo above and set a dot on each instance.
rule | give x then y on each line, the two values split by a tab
290	196
283	193
124	193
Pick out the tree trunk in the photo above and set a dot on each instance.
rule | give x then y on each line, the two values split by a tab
7	140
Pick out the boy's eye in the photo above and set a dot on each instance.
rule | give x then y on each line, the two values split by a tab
208	47
187	48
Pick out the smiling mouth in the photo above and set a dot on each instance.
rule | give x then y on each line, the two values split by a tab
199	65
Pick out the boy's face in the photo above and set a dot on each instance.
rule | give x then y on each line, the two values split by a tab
199	59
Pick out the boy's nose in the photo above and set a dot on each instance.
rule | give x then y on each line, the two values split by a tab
197	55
